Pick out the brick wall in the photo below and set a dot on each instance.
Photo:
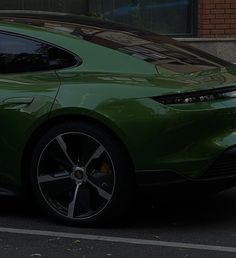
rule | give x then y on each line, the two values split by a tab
217	18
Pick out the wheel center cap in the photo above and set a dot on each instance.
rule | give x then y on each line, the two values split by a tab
78	174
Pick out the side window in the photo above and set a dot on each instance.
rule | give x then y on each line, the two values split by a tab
20	55
59	58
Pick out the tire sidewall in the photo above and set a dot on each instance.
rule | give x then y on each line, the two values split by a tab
122	190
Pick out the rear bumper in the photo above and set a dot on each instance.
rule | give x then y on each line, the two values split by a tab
185	139
222	169
224	166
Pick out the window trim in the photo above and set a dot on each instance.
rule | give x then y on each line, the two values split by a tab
194	18
78	59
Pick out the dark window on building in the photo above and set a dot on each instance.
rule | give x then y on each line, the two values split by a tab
173	17
20	55
170	17
65	6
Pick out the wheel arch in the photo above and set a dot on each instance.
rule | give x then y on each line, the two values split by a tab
56	120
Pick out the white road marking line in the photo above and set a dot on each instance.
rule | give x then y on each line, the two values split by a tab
119	239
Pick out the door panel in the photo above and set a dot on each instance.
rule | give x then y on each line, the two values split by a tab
25	100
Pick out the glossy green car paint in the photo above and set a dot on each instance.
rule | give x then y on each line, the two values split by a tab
185	138
25	102
116	90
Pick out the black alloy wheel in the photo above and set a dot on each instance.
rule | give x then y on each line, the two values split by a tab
80	174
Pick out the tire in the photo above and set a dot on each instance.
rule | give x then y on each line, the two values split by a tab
81	175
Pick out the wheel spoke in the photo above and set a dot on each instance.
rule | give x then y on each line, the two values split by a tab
101	192
95	155
78	160
53	177
71	208
74	175
63	146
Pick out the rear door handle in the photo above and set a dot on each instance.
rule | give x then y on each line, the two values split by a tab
20	100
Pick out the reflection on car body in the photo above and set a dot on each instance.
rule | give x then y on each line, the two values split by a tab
93	110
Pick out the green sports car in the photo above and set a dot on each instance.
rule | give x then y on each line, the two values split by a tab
92	110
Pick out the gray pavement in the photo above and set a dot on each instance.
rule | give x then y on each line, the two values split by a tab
203	227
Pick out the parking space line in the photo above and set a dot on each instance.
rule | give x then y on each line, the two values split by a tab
118	239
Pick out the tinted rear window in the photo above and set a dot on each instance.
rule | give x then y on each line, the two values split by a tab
19	55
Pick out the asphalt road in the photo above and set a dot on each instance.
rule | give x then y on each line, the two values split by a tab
172	228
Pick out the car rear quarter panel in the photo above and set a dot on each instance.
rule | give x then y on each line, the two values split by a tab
115	89
183	138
